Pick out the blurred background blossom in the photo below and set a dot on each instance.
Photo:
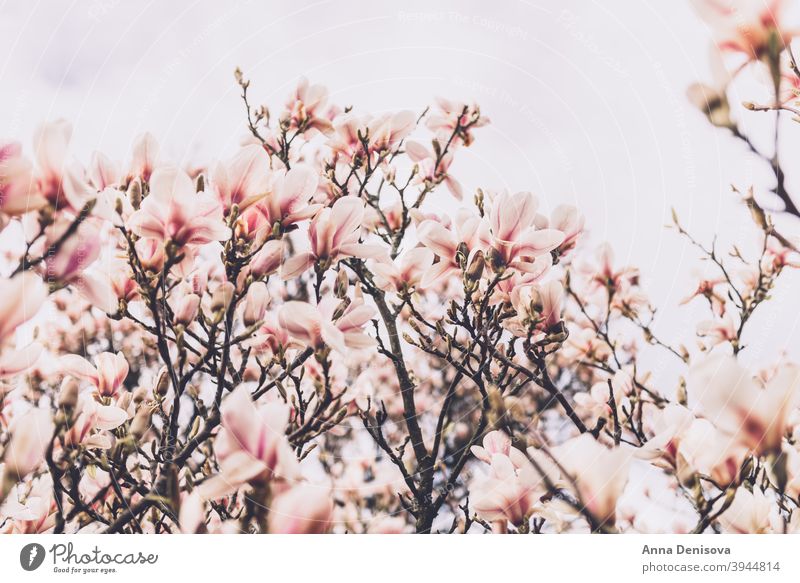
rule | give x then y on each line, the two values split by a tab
587	99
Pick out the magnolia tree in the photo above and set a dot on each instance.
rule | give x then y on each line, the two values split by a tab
325	333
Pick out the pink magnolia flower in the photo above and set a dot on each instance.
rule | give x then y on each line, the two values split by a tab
145	157
568	220
778	255
95	482
734	402
509	493
707	450
405	272
60	182
552	297
706	288
35	514
597	401
749	513
471	232
334	234
91	423
722	329
302	509
669	427
351	132
103	172
13	362
505	288
251	445
430	172
497	442
493	442
244	180
386	131
71	264
600	474
30	435
345	140
313	325
537	308
107	375
21	299
18	193
174	211
744	26
451	114
151	254
306	107
288	201
604	275
122	282
585	343
271	338
516	239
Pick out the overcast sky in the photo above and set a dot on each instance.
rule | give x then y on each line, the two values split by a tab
587	100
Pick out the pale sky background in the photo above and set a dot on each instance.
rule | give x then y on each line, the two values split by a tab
587	100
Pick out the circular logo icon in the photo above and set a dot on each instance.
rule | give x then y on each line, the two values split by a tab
31	556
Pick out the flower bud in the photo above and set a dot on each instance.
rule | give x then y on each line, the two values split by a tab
162	382
139	395
186	310
141	422
135	194
268	259
125	400
475	270
255	303
222	296
112	370
680	395
342	284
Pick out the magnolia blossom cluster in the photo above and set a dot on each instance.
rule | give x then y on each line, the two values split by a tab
328	332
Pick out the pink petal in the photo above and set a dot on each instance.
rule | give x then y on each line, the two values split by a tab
79	367
434	236
296	266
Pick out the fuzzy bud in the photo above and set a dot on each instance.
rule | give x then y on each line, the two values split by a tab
475	270
342	284
162	382
135	194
